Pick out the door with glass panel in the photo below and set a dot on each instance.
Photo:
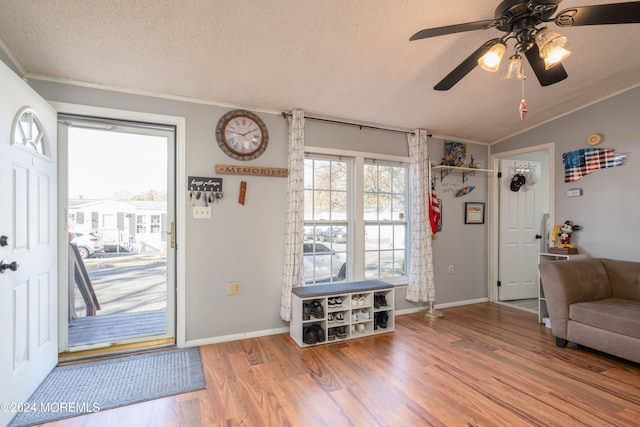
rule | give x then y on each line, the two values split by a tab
120	214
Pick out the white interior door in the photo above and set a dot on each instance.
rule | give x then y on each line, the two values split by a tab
520	223
28	288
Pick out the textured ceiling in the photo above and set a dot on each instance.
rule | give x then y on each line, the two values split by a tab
349	60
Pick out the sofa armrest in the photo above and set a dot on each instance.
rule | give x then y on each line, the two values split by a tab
568	282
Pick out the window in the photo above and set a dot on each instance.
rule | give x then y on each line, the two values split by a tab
155	224
385	220
326	187
141	224
356	217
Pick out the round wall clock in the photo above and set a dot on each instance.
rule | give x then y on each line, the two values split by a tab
242	135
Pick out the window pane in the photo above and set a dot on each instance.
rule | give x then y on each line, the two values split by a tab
338	175
370	206
326	219
386	219
322	175
339	206
370	180
384	207
384	179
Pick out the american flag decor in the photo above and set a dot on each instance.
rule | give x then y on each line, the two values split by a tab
581	162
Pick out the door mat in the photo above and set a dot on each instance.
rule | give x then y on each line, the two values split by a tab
70	391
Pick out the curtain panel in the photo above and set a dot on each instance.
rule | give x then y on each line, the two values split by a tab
421	283
294	228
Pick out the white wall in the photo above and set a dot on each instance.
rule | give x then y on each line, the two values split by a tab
608	209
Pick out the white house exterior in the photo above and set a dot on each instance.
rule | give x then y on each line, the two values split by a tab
124	224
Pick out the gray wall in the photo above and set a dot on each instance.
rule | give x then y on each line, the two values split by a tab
608	209
244	243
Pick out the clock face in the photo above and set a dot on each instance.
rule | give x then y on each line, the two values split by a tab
242	135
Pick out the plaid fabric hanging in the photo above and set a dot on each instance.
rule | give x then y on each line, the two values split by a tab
584	161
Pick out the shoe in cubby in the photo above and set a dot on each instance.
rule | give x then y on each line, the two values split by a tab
317	310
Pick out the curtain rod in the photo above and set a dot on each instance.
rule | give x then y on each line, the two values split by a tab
352	124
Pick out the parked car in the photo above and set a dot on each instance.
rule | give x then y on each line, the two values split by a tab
322	264
88	243
333	234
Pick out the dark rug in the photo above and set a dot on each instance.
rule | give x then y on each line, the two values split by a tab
69	391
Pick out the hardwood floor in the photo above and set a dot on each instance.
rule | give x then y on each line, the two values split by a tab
480	365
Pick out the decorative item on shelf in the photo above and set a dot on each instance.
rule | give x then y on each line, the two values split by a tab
564	232
455	153
465	190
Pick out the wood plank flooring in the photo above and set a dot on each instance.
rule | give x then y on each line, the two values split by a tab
481	365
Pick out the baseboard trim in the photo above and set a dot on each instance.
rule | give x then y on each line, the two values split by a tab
236	337
441	306
285	330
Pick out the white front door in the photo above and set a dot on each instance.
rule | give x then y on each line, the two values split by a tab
28	288
520	224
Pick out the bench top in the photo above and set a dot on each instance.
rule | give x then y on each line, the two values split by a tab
340	288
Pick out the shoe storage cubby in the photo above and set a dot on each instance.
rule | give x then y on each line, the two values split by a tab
322	314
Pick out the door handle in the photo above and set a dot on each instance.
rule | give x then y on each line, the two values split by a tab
538	236
172	235
13	266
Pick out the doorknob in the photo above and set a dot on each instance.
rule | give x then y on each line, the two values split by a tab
4	240
12	266
538	236
172	235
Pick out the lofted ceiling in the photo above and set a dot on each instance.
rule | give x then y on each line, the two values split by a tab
348	60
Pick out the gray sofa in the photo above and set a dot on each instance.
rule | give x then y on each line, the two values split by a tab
594	302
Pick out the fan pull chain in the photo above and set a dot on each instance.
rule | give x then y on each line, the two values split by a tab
523	103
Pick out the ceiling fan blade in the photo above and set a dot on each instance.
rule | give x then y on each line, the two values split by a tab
452	29
545	77
465	67
617	13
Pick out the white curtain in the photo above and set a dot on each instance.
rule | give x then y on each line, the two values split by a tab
421	286
294	232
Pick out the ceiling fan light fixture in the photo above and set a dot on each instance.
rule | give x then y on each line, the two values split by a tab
553	55
514	68
551	47
490	61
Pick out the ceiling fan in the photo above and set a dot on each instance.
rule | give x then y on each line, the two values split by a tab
522	20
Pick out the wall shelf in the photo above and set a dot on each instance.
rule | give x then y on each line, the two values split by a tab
447	170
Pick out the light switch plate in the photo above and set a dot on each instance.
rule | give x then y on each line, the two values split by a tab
201	212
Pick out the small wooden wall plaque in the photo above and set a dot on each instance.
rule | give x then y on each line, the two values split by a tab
252	170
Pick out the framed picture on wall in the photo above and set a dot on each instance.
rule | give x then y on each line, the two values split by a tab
473	213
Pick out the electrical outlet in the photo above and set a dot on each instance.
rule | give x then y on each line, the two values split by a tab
201	212
451	269
234	288
574	192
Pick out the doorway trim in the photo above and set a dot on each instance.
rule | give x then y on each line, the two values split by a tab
494	207
180	194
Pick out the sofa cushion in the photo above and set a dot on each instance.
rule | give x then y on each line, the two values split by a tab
612	314
624	277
